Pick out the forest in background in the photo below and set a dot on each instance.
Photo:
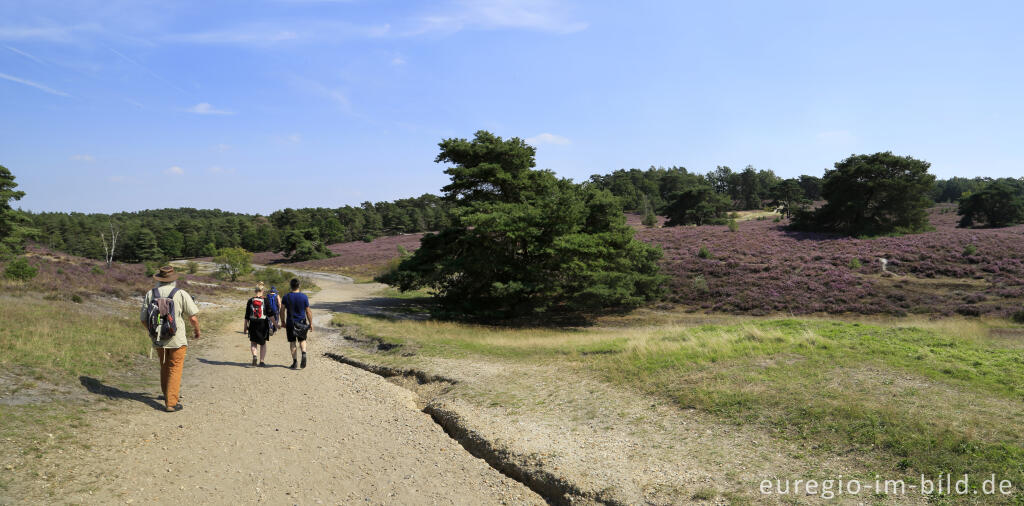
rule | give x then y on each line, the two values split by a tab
303	234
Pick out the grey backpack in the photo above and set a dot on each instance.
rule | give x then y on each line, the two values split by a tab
160	316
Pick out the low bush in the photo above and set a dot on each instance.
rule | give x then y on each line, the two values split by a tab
704	252
274	277
20	270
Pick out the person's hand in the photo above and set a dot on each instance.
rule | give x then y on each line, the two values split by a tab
197	336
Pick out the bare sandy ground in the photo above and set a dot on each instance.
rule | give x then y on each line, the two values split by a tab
327	434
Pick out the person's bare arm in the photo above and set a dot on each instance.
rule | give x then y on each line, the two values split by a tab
195	326
309	318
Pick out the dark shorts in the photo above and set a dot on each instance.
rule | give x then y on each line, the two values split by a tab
259	331
294	335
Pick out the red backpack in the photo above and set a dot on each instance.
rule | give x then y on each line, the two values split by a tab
256	310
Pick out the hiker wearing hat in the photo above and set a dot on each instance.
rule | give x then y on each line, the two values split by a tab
162	311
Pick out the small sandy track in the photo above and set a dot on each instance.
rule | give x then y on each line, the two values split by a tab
327	434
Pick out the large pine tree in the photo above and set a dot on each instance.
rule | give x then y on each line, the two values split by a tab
523	241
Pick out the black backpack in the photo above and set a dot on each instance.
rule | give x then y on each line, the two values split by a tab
160	316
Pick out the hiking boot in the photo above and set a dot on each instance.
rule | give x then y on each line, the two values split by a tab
262	364
254	361
303	360
177	407
295	364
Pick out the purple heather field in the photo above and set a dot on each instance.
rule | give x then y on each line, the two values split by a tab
762	268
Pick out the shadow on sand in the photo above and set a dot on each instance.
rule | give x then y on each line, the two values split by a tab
97	387
236	364
387	307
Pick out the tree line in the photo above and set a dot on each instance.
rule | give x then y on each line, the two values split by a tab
300	234
690	198
683	197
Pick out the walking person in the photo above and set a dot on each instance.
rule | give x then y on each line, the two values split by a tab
274	303
298	318
162	310
258	318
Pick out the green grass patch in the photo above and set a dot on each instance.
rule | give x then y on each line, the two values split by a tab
930	397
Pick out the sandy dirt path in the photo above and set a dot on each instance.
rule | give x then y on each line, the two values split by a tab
327	434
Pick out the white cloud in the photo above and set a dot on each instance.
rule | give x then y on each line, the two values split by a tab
206	108
269	34
175	171
539	15
222	147
547	138
46	33
26	55
37	86
82	158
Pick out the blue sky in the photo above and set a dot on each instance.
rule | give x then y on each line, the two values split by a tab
258	105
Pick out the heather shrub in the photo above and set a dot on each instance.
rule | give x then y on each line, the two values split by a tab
20	270
1018	317
77	299
96	270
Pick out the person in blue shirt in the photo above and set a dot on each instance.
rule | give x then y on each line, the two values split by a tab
298	320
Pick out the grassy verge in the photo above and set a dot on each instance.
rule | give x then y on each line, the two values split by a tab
58	339
929	397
